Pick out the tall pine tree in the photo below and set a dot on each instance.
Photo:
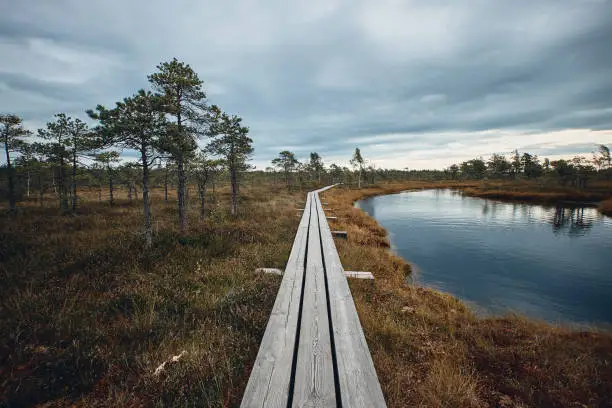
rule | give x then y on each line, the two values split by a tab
136	123
185	101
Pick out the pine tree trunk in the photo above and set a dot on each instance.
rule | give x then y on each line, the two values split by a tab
9	168
181	194
60	180
234	178
110	186
41	191
148	224
28	182
181	173
202	191
166	184
74	183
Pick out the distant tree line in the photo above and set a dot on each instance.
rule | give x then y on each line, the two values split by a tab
162	125
295	173
574	172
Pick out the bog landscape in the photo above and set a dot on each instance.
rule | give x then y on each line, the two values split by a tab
132	283
331	204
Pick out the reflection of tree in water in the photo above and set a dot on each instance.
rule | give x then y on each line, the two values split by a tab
485	207
571	220
368	206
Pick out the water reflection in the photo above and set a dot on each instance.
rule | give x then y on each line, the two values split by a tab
549	262
573	221
368	206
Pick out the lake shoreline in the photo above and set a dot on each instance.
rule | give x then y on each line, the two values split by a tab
462	349
599	195
526	192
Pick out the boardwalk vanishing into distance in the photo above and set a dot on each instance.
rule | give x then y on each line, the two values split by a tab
313	352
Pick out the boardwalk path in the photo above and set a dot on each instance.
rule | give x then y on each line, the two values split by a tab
313	352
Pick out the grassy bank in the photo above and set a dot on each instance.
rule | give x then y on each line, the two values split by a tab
429	349
606	207
86	316
540	191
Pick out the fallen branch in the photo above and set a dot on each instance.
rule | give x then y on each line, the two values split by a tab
172	359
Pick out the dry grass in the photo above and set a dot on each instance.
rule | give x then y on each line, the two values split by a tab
86	317
606	207
541	191
430	350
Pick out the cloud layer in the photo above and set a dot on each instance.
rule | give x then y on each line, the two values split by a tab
414	83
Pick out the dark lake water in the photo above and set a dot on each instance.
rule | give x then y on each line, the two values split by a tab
545	262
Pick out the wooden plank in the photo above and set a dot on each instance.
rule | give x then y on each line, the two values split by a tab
339	234
314	375
270	378
358	274
331	218
358	382
272	271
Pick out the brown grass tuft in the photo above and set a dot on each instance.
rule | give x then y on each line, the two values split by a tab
606	207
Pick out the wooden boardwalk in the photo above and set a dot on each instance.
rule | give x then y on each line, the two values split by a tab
313	352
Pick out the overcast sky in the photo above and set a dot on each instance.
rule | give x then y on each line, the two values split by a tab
418	84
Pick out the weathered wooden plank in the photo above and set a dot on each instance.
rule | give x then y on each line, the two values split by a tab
272	271
270	378
358	274
358	382
339	234
314	375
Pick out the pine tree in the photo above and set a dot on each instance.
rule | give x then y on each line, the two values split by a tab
12	134
315	165
358	164
58	133
230	142
80	141
136	123
185	101
287	162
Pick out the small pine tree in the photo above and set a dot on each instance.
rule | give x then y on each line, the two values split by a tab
232	143
12	135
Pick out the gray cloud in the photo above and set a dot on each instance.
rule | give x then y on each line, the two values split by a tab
404	80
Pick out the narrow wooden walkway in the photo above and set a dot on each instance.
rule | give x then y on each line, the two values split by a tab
313	352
